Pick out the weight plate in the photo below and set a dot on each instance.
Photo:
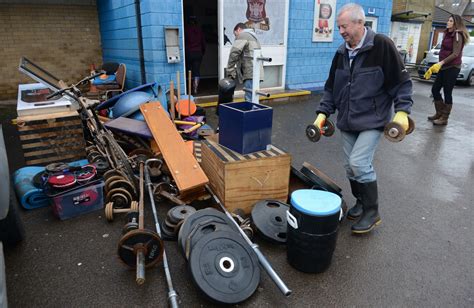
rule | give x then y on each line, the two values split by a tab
86	173
224	267
170	225
180	212
411	126
56	167
109	211
329	128
112	172
135	240
124	184
168	232
313	133
394	132
111	179
102	167
120	197
269	218
318	177
62	180
200	229
201	215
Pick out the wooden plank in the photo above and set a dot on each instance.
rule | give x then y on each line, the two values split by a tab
55	142
54	115
63	158
51	134
184	168
57	151
26	127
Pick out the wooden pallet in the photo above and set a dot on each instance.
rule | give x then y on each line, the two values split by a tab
48	138
240	181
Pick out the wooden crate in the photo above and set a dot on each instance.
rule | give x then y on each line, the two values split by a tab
240	181
48	138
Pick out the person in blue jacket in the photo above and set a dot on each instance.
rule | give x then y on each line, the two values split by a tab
366	80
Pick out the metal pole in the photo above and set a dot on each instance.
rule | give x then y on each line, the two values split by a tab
172	295
261	258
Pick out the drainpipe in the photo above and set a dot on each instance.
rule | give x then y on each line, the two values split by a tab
138	15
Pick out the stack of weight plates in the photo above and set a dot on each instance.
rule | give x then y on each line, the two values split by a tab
223	266
174	219
269	219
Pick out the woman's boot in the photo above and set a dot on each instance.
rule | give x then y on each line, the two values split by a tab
356	210
438	104
445	112
370	204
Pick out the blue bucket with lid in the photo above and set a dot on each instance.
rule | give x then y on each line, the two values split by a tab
313	222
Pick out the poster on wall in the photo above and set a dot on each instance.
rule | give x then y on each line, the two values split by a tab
323	26
266	17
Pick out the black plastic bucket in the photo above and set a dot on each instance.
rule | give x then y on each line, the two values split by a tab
313	221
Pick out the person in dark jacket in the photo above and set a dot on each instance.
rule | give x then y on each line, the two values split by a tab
366	80
195	49
448	67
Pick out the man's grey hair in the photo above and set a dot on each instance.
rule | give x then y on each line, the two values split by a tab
356	12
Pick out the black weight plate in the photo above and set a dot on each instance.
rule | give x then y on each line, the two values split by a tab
224	267
180	212
200	229
411	126
320	178
313	133
204	214
170	233
131	241
329	128
269	218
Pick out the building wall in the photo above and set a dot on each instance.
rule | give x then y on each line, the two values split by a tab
420	6
118	28
62	38
308	63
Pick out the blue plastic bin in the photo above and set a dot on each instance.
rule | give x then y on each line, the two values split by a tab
245	127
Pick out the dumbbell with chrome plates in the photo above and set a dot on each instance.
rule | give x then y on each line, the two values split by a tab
322	126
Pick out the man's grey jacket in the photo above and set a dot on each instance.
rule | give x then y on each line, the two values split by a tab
240	64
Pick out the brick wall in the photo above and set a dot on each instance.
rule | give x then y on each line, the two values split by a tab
63	39
308	63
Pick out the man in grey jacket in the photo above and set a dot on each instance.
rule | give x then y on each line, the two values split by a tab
240	64
367	78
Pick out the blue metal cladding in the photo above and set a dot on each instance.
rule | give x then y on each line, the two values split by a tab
118	31
308	62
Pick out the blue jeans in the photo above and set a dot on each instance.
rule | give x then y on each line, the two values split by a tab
248	95
359	149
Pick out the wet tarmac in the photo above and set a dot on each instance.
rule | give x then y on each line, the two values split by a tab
421	255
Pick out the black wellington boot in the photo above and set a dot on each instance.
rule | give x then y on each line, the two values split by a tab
370	204
356	210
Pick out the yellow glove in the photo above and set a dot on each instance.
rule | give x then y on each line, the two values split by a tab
401	117
428	74
435	68
320	120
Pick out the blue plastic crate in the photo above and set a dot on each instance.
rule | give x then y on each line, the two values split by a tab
245	127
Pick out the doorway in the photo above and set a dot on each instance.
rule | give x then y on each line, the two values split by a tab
205	14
